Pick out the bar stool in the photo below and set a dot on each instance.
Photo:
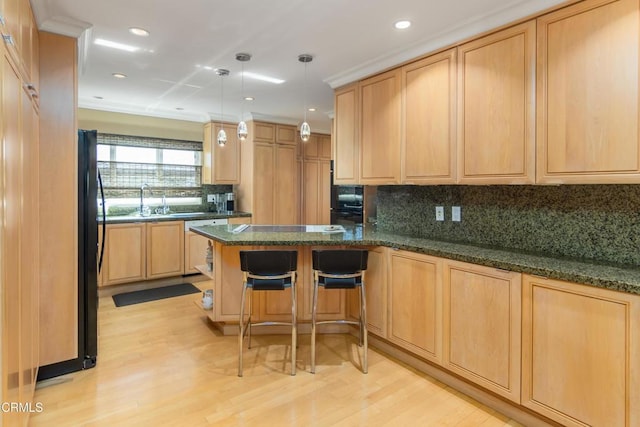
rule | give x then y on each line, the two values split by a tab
340	269
267	270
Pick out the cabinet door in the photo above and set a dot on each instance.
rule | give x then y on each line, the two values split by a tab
415	303
311	195
286	135
428	120
380	105
221	165
588	95
11	155
264	132
324	147
228	284
580	353
331	303
482	320
346	135
285	194
310	148
165	249
125	250
263	178
376	293
324	193
195	251
496	128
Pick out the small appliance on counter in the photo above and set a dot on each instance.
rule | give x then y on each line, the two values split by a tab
231	202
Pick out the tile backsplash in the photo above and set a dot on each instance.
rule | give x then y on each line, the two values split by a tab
598	222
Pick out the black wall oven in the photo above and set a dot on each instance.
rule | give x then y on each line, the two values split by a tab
347	203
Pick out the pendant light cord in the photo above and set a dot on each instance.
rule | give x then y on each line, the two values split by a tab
221	100
305	92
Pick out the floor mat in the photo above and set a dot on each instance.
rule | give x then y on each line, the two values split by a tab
146	295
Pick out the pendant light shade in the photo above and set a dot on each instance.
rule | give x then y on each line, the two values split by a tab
222	135
243	132
305	129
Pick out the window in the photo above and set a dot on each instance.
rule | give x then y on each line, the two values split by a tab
172	168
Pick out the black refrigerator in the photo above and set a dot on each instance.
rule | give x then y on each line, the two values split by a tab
89	259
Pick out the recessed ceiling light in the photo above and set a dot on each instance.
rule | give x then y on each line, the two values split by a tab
263	78
312	109
208	67
401	25
115	45
179	108
98	97
139	31
249	98
119	75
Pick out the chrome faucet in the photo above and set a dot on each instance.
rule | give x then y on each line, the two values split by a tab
144	210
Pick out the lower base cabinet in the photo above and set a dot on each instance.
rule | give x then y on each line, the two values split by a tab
165	249
581	353
375	281
415	303
482	318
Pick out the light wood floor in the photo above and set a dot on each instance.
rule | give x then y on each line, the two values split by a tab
163	364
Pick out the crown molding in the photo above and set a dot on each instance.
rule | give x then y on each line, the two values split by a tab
116	108
64	26
506	14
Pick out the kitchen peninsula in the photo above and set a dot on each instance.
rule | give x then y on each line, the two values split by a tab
522	326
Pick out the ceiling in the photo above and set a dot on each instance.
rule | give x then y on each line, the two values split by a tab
349	39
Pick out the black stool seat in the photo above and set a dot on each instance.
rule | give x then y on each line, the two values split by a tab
339	269
267	270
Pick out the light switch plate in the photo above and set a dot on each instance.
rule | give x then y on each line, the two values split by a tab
439	213
210	198
455	213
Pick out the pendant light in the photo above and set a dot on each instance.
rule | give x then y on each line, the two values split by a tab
305	129
243	132
222	135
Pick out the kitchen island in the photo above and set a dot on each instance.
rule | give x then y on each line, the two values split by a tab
548	334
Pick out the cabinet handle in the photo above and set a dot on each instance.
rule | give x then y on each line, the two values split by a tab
2	21
8	39
31	86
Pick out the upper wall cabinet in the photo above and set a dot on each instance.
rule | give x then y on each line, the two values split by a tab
346	136
496	85
587	93
428	120
380	107
220	165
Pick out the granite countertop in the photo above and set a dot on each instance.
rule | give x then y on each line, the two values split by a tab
177	216
609	276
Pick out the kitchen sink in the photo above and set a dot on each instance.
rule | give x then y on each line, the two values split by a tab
186	214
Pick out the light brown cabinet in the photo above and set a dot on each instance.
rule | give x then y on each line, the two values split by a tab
380	109
429	120
346	135
165	249
220	164
375	280
496	116
195	251
269	185
588	94
482	317
125	253
316	180
581	347
415	303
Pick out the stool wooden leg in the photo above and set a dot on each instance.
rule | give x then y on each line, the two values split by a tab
313	324
241	326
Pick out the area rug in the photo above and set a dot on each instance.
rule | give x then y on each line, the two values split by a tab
146	295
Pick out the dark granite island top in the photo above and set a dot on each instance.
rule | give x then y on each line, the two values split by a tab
614	277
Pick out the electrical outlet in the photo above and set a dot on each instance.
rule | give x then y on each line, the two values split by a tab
455	213
439	213
210	198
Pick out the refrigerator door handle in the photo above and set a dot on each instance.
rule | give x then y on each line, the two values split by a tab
104	223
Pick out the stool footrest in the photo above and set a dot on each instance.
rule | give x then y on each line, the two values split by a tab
342	322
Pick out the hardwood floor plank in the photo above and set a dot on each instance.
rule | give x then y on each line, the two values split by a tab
163	363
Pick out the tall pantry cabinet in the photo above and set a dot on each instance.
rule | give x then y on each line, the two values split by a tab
269	184
19	207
